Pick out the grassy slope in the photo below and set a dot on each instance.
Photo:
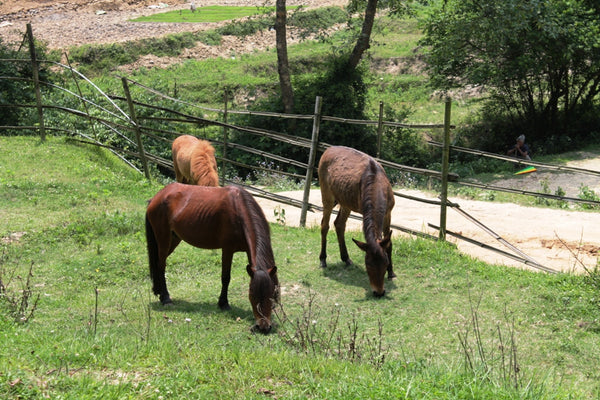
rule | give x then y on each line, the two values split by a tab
83	214
207	14
394	49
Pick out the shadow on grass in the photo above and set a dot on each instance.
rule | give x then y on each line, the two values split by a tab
356	275
184	306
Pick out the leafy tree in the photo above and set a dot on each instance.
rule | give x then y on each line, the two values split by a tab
539	60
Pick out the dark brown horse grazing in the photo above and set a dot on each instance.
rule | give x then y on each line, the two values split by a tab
358	183
194	161
211	218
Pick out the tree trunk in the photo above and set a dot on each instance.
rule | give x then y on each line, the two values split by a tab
283	67
363	42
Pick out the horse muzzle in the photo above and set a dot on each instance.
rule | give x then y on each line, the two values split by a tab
262	326
379	295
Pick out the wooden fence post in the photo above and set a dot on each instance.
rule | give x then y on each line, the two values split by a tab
445	169
225	139
138	134
311	160
36	82
379	129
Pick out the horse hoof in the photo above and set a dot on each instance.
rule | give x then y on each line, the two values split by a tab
166	301
391	276
323	264
225	306
348	262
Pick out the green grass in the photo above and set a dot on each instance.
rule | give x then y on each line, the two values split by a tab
207	14
82	213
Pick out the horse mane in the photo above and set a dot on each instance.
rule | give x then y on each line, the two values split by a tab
204	165
255	225
373	210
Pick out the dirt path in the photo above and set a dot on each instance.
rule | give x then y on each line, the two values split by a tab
558	239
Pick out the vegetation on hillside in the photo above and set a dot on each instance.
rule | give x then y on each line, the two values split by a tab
395	73
538	60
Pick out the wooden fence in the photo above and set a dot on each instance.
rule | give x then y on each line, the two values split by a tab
104	113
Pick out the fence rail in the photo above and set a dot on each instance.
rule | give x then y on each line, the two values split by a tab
124	124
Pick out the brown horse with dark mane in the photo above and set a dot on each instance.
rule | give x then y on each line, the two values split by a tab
194	161
226	218
358	183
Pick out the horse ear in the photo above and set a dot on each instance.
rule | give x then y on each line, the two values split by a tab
361	245
250	270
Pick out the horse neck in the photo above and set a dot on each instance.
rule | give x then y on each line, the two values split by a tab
257	234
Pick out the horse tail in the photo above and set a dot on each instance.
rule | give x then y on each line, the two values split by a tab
152	253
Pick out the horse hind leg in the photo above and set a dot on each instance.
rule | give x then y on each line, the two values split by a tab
327	208
340	229
157	254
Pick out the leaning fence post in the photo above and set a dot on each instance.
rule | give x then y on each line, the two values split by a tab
225	139
379	129
311	160
445	169
138	134
36	82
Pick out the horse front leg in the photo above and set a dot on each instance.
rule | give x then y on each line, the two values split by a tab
340	229
390	269
388	232
226	259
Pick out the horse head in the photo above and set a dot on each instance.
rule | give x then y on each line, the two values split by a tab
377	262
264	290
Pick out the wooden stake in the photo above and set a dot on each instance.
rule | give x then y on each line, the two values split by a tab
311	160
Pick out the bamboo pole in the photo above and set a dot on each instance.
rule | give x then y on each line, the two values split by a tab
445	168
225	139
311	160
379	129
85	106
36	81
138	134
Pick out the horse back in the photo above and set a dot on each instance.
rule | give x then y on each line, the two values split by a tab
203	216
194	161
343	174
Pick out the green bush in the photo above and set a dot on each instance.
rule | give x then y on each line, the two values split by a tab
19	90
343	95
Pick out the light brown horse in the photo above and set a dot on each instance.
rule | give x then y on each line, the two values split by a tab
194	161
358	183
226	218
